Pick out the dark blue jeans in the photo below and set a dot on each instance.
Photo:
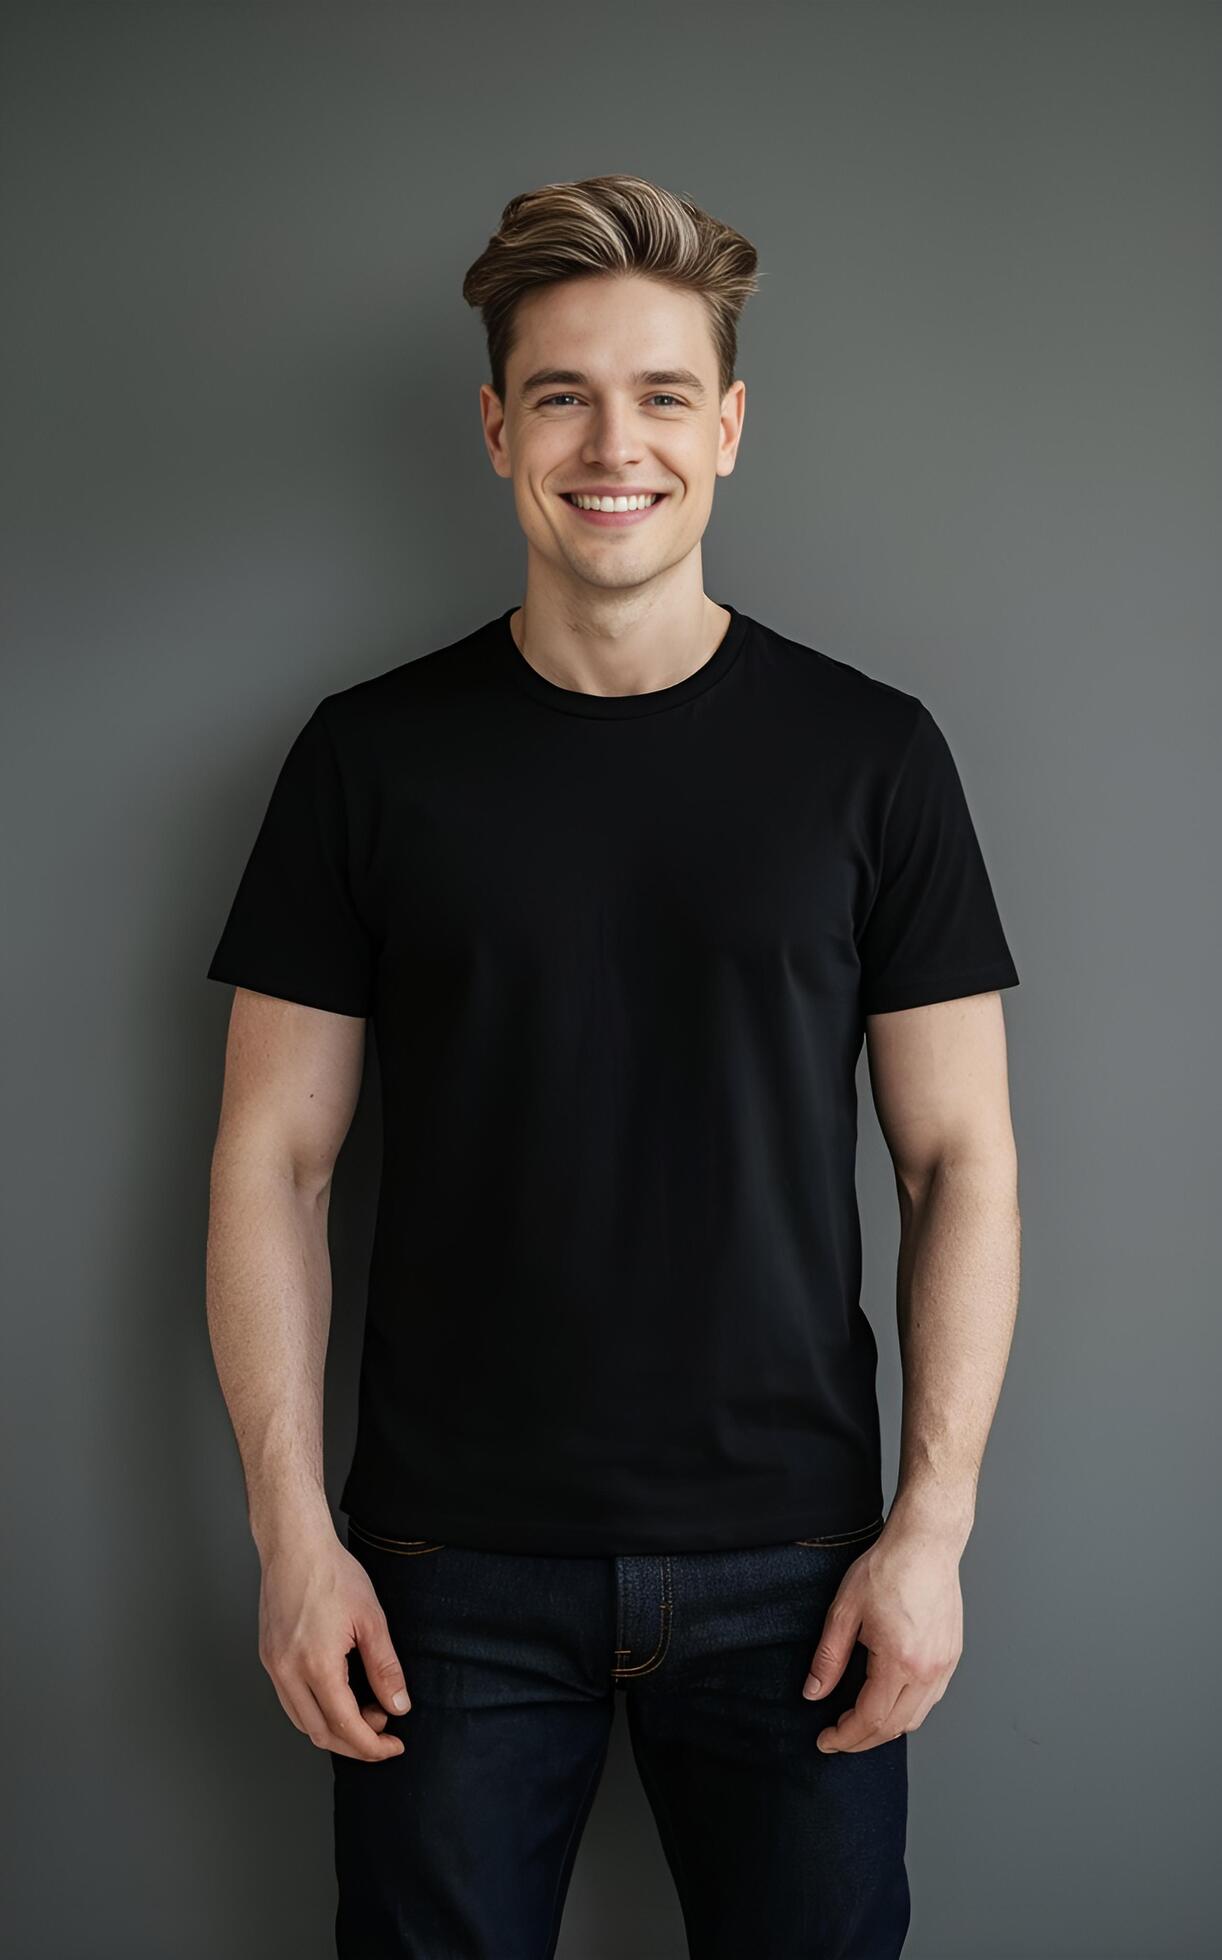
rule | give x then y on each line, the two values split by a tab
462	1848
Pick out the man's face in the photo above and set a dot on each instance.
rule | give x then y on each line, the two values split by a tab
612	386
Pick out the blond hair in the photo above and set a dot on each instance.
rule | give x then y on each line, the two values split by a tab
609	225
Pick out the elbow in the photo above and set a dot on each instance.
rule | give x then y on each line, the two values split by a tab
989	1168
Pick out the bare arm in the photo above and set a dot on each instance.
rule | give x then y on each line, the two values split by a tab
939	1080
292	1078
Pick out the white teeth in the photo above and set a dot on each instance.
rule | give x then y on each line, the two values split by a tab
613	503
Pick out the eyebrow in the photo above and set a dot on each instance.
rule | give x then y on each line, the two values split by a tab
653	377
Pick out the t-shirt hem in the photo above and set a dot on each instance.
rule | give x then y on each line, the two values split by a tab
473	1532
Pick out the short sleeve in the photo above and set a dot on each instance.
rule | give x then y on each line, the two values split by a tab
933	930
293	929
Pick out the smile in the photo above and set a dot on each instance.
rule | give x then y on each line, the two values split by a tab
612	512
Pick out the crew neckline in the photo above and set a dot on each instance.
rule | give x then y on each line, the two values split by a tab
611	707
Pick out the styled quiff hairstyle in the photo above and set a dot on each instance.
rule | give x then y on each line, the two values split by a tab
608	225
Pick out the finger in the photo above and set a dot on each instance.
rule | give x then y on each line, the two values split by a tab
865	1723
348	1732
343	1727
381	1664
887	1729
908	1714
913	1706
372	1712
831	1656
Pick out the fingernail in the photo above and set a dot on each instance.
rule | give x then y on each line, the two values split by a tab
400	1701
813	1685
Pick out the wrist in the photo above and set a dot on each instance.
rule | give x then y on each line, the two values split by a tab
945	1513
283	1518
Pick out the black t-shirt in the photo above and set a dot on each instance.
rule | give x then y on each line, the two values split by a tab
617	951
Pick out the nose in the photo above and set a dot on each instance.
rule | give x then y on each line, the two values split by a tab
612	441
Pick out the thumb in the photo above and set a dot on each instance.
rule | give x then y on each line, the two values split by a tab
831	1656
382	1669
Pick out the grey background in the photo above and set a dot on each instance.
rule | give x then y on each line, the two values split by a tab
243	468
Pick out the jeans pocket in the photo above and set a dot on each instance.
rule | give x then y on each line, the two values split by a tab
402	1547
833	1538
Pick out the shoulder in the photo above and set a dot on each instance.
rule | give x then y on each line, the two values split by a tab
859	707
421	696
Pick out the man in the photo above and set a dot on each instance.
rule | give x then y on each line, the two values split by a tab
622	877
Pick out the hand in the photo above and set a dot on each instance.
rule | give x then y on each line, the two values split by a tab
316	1603
902	1599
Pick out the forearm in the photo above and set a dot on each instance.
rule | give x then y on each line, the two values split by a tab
269	1309
956	1301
